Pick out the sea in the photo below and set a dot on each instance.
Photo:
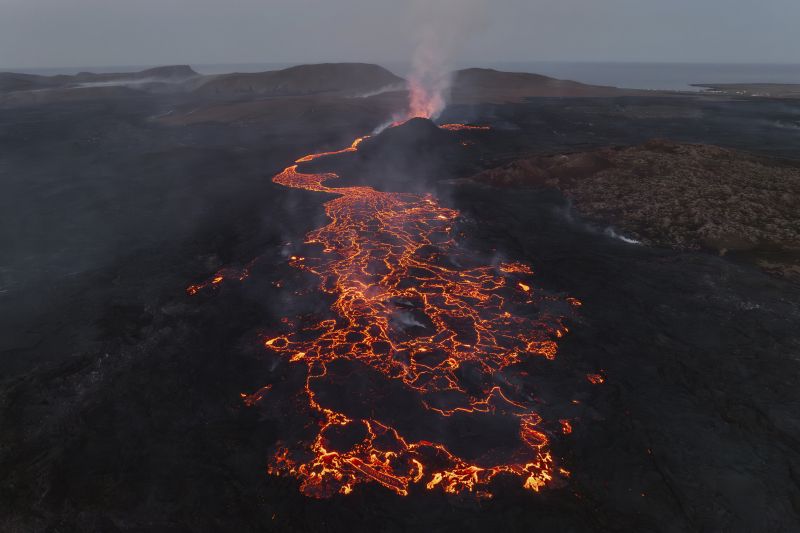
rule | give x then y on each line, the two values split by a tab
654	76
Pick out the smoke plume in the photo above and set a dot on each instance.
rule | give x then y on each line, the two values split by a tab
443	27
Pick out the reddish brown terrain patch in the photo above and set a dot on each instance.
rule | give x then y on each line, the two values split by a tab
678	195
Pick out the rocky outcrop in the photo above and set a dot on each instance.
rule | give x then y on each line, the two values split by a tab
683	196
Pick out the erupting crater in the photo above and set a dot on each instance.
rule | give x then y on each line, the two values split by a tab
434	330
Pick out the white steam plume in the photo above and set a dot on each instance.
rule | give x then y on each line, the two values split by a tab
443	27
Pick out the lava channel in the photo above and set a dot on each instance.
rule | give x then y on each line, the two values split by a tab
430	326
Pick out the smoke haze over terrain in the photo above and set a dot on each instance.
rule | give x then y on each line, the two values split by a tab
53	33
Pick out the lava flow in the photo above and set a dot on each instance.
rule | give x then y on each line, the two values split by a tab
409	305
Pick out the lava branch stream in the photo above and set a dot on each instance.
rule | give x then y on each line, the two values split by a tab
410	305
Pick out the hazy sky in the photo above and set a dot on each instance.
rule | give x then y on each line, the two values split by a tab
60	33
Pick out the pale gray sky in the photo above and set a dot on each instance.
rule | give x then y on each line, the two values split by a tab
60	33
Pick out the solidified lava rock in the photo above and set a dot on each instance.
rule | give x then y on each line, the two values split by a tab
678	195
409	157
418	134
133	420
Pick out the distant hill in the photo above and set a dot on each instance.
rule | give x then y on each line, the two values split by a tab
173	72
330	79
480	84
763	90
10	81
326	80
348	79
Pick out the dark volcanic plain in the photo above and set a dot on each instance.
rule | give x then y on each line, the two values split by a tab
120	407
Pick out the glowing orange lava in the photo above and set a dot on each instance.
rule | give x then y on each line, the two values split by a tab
464	127
595	379
412	306
409	305
424	100
218	278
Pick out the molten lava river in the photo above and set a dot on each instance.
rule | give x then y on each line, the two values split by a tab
445	336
